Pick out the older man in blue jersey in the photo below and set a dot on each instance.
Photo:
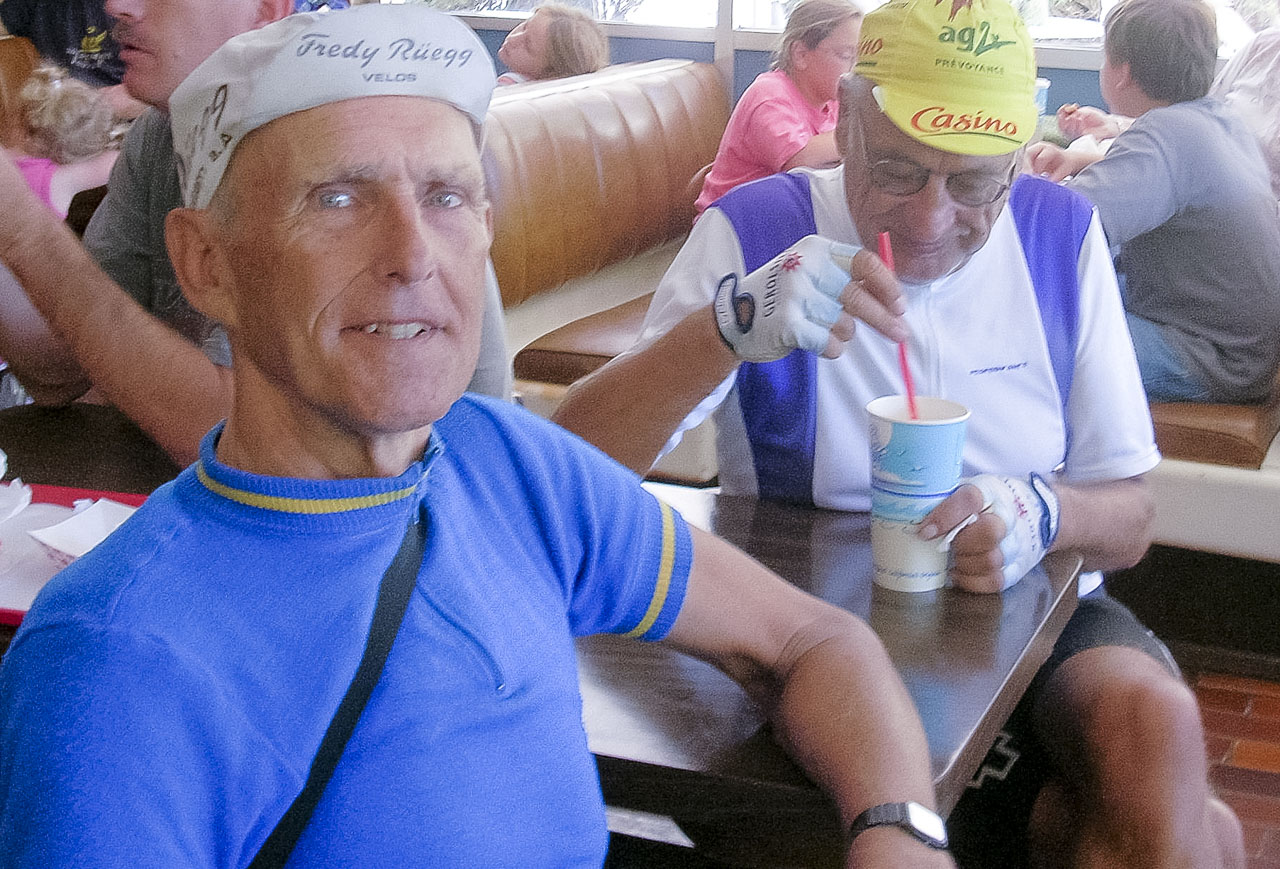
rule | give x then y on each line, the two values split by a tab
164	701
1006	296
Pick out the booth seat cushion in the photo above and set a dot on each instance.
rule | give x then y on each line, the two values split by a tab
1218	434
576	350
592	170
1238	435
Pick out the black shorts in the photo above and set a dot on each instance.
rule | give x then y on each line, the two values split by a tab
988	827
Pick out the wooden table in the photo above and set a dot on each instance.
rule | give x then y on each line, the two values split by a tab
673	736
87	446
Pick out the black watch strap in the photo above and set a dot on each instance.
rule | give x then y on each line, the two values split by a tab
913	818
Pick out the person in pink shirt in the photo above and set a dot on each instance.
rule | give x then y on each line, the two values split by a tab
67	145
787	116
68	142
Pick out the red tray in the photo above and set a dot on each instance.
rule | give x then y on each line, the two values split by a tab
65	497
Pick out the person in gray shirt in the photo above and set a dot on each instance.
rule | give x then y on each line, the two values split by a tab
1184	194
121	325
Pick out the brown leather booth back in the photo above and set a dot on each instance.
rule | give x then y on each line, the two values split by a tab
591	170
17	58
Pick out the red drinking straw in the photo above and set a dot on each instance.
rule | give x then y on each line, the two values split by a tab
886	254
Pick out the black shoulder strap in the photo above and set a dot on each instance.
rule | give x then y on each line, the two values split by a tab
393	599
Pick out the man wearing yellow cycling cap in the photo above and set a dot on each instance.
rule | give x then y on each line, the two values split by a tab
1005	294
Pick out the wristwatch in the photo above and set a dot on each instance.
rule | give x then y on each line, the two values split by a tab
923	823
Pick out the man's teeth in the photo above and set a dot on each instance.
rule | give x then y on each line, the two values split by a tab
396	330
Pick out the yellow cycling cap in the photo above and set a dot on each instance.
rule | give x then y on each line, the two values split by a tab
958	75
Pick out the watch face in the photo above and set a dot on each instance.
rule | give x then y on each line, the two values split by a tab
926	822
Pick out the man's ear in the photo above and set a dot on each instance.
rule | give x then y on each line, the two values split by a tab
199	263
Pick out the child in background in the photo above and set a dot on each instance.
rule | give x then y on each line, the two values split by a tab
70	137
68	145
787	117
1185	195
1247	83
554	42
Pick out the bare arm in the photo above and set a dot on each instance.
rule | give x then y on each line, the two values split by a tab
1058	164
1076	120
156	377
90	173
630	407
85	175
818	152
832	693
42	362
1108	524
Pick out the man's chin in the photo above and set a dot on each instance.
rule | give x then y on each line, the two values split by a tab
399	412
142	89
394	421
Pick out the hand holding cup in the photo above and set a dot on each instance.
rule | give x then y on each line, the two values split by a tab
999	529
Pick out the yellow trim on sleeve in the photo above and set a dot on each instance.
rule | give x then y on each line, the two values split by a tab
665	566
299	505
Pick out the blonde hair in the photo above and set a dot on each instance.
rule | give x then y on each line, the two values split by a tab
64	120
576	44
810	22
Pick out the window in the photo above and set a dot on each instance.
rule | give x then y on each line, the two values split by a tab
1066	24
671	13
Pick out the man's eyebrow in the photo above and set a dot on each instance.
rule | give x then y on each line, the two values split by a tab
452	175
345	175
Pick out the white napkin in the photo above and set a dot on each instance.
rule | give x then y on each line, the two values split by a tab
76	535
25	564
14	497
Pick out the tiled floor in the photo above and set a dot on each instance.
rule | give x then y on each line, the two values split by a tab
1242	728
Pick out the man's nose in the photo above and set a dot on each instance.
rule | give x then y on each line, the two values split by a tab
405	241
933	211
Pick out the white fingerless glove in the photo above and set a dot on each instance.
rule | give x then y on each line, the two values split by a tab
790	302
1029	509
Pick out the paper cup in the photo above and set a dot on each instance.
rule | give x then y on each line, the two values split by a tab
915	464
1042	95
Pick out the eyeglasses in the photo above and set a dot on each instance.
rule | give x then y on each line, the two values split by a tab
897	177
846	55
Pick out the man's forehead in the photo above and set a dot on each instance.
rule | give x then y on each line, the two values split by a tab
435	128
362	140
